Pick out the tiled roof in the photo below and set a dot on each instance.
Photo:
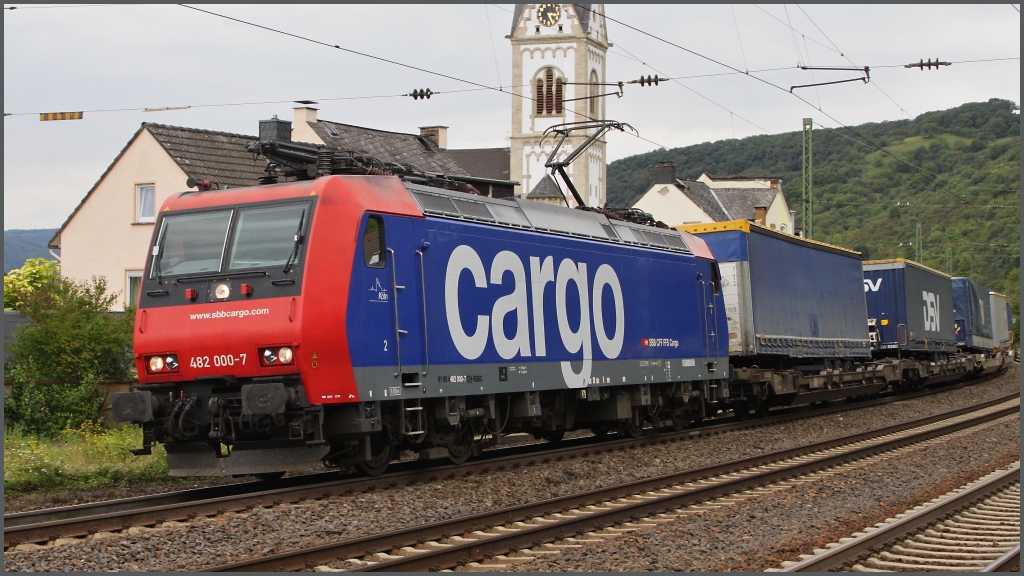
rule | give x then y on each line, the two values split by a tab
406	149
493	163
739	203
546	188
216	156
704	198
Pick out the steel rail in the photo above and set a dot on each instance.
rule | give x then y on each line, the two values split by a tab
1009	562
866	544
81	520
528	536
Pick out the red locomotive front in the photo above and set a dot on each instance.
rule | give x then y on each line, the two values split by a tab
239	334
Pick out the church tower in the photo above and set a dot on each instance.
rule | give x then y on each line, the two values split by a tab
558	64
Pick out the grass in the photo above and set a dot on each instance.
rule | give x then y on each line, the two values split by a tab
89	457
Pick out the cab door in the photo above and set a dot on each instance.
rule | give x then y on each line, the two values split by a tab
404	271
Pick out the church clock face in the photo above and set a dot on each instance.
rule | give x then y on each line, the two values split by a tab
548	14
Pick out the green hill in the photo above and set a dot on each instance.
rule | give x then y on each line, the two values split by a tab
20	245
956	173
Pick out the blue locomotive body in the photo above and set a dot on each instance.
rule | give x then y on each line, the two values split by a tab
460	304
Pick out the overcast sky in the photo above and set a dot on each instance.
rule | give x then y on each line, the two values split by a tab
112	61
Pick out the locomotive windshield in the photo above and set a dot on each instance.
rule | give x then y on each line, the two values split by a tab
194	243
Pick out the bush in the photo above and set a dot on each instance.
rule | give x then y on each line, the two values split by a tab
35	273
71	344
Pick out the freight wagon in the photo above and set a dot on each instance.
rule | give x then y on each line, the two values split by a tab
910	309
972	311
797	317
1002	318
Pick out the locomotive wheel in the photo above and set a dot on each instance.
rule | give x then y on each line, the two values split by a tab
680	422
381	450
462	448
630	430
553	435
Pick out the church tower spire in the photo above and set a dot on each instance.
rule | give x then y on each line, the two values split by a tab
558	62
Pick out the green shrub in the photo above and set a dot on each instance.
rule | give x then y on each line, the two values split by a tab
71	344
86	457
35	273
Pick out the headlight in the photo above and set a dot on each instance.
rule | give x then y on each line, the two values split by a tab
162	363
269	357
285	355
222	291
276	355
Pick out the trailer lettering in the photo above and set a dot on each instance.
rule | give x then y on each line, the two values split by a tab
872	287
931	311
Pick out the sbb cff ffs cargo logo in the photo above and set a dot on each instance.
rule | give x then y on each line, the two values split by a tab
541	273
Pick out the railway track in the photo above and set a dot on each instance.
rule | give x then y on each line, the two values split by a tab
514	534
974	529
82	520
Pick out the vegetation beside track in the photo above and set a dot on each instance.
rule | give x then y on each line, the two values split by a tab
84	458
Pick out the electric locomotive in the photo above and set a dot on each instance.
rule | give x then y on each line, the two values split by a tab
347	318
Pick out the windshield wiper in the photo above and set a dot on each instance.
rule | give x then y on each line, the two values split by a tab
157	258
195	277
295	248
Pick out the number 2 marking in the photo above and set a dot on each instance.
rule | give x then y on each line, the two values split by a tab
385	345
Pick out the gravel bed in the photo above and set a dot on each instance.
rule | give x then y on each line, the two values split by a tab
761	533
237	536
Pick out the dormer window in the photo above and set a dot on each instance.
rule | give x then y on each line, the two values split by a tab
549	93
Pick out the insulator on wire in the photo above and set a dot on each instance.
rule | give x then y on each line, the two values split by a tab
649	80
421	93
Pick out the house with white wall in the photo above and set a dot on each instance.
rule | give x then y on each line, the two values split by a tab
677	202
108	232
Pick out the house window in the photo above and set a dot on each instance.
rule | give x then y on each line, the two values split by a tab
134	285
145	203
549	93
783	228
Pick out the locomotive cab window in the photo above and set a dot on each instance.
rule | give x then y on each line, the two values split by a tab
191	243
267	236
373	242
716	279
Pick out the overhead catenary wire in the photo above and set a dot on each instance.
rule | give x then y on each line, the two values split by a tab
356	52
841	53
960	198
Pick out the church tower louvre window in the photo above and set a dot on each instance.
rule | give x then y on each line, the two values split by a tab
549	92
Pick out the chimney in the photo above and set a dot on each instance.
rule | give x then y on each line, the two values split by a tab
274	129
305	114
760	213
664	173
436	134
